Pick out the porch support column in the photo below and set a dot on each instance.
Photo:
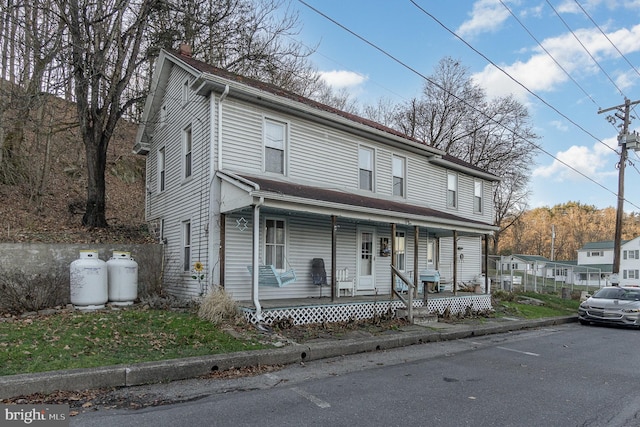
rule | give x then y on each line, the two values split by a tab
256	261
455	262
416	276
393	258
486	263
334	235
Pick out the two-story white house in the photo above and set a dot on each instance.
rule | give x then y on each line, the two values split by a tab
256	184
599	255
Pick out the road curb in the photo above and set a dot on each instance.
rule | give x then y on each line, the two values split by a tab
193	367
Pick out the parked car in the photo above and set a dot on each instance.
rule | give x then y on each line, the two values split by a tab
616	305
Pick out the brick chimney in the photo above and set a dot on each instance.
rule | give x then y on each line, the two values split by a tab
184	49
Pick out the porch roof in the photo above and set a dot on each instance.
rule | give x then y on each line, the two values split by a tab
308	198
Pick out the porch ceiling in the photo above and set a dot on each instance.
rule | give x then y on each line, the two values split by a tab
315	200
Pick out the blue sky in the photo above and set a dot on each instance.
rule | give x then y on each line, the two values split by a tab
602	71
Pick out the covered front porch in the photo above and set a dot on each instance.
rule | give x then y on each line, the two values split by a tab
325	309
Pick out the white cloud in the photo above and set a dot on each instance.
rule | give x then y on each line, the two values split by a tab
560	125
339	79
595	163
540	73
487	16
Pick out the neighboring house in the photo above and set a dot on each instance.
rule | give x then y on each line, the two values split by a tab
599	255
241	174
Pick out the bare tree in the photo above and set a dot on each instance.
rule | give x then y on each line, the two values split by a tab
105	39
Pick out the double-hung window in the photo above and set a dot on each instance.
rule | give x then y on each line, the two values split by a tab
477	196
275	145
187	145
186	246
399	167
161	168
185	92
275	243
452	190
630	274
632	254
365	162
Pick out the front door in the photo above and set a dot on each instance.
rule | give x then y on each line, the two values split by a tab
366	281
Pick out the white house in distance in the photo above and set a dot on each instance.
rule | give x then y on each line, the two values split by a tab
600	255
257	184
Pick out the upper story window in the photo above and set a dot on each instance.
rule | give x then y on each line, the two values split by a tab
633	254
452	190
595	253
185	92
161	168
365	162
186	246
275	144
187	145
477	196
275	243
163	115
630	274
399	173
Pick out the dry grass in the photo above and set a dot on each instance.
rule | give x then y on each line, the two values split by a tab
217	307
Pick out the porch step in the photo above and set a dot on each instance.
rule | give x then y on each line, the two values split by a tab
421	315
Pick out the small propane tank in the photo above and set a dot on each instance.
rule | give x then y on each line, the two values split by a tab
123	278
88	277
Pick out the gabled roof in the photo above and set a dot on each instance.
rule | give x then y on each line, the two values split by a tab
531	258
605	244
206	74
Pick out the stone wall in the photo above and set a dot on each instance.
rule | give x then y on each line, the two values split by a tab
46	259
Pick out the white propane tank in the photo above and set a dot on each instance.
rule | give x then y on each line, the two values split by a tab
123	278
88	276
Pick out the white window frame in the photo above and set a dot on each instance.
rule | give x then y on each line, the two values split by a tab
187	152
631	254
478	200
399	176
630	274
163	115
185	92
272	243
366	164
452	190
273	146
186	245
162	168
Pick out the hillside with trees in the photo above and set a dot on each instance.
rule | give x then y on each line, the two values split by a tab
573	224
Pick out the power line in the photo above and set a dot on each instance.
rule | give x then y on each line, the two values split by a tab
549	53
585	48
511	77
408	67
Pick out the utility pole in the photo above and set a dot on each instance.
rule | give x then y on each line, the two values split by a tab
624	141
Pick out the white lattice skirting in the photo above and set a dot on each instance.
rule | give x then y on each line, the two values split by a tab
365	310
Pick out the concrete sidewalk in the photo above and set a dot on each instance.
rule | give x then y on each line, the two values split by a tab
179	369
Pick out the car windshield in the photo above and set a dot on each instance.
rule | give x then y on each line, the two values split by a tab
618	293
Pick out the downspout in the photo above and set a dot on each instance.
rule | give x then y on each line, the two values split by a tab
212	173
222	97
255	262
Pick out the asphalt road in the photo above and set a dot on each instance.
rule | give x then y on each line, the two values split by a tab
566	375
